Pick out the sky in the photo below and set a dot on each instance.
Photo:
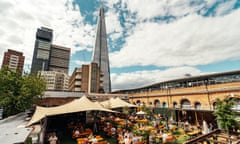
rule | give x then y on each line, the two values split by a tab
149	41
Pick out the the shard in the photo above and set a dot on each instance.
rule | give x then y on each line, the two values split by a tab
101	51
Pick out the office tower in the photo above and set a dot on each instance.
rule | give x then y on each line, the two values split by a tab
88	78
50	61
49	57
59	59
101	51
42	49
55	80
14	60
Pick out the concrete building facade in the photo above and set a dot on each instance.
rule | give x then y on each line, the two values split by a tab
55	80
88	78
14	60
59	59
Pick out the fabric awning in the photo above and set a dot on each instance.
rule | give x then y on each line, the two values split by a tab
77	105
113	103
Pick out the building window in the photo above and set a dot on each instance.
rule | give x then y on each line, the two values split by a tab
185	104
164	105
157	103
175	105
197	106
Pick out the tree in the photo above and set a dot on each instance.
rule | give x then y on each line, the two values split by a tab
224	113
18	93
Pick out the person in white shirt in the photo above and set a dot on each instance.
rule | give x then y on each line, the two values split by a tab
94	140
164	137
53	138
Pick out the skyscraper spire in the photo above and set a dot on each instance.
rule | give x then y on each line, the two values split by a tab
101	51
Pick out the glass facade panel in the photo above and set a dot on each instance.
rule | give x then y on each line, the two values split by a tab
42	54
44	45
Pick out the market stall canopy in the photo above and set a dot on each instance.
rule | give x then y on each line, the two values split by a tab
113	103
77	105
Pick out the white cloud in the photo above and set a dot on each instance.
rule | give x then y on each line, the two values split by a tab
113	24
192	40
20	20
226	7
143	78
80	63
146	9
189	40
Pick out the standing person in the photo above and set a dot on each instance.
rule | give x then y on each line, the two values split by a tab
53	138
164	137
127	140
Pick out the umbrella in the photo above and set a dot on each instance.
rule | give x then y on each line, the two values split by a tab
140	113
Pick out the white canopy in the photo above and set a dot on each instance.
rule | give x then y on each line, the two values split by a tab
77	105
113	103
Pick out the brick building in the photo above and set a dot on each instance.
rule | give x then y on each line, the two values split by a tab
14	60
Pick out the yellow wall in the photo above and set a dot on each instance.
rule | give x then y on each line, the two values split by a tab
205	95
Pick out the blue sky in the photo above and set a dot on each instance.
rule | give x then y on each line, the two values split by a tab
149	40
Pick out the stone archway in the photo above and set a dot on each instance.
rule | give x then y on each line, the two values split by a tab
236	105
157	103
175	105
150	103
138	102
197	105
185	104
164	105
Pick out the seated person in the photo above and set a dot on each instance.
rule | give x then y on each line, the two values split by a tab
76	132
164	137
94	140
113	131
85	141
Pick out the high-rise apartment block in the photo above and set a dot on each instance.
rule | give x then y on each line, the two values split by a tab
101	51
88	78
14	60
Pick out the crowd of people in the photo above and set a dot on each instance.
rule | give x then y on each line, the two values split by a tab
128	129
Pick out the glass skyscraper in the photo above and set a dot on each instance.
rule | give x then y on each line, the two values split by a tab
101	52
42	49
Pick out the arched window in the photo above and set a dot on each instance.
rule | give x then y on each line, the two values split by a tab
198	105
150	103
185	104
157	103
175	105
144	104
236	105
138	102
164	105
214	105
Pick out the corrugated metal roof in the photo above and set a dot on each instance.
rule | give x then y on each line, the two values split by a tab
13	129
